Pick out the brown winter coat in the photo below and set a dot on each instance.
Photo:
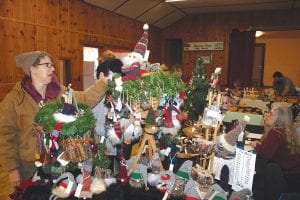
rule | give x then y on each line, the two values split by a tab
17	111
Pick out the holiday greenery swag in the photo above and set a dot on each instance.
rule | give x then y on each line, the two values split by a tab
196	92
84	122
152	85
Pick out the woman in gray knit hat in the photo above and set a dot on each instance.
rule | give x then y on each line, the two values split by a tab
18	109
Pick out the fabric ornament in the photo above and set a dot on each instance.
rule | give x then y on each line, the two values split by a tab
118	130
86	184
122	177
243	194
98	185
192	191
64	186
155	163
185	170
139	176
215	192
153	179
119	83
54	137
166	181
168	120
173	119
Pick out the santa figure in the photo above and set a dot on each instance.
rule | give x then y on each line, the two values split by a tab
214	79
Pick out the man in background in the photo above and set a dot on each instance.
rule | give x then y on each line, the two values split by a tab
283	86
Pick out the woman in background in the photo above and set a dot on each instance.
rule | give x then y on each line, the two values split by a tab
237	90
278	153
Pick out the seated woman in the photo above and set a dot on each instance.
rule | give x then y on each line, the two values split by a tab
237	90
278	153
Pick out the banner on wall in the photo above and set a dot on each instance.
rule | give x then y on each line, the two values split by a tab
203	46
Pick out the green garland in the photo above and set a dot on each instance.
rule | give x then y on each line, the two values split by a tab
155	84
81	125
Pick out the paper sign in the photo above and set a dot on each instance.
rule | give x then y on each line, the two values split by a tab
244	170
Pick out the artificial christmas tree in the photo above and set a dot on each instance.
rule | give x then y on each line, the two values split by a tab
197	91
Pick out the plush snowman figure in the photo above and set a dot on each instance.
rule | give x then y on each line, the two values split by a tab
133	61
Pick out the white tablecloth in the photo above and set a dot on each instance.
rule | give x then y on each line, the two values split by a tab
253	103
254	119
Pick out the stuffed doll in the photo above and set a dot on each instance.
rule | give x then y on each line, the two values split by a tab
214	79
133	61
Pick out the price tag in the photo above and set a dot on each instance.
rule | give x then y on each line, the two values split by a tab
171	167
78	190
102	139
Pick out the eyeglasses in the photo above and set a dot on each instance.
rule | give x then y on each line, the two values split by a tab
48	65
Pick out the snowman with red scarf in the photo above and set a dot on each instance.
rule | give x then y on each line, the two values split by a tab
133	61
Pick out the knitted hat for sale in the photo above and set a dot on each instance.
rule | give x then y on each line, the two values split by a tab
215	192
141	45
192	191
26	60
185	170
228	141
88	165
166	181
140	174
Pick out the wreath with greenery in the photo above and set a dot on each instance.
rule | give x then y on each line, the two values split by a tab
80	126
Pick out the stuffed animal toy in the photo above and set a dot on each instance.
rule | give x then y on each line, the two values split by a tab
214	79
132	61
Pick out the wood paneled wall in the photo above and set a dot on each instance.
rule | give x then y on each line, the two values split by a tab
217	27
62	28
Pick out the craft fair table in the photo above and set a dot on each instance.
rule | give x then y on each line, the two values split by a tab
255	119
255	103
255	125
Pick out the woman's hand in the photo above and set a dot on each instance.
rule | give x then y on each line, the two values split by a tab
15	178
254	143
103	78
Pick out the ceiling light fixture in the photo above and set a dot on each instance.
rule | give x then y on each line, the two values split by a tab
258	33
169	1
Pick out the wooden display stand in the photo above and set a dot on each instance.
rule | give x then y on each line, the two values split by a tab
210	135
148	137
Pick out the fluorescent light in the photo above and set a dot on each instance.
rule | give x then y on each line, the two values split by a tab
258	33
168	1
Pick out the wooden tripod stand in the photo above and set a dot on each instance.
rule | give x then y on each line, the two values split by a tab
147	138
